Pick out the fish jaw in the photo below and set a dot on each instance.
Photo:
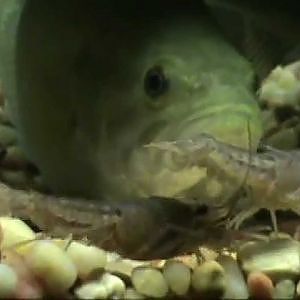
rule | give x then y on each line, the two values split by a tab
233	121
230	113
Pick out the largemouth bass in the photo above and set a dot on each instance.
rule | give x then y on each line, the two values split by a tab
98	80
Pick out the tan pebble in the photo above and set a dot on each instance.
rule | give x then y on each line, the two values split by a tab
113	256
260	285
86	258
25	247
135	263
114	285
132	294
190	261
120	268
298	289
284	289
157	263
29	290
28	286
149	282
51	264
108	287
178	277
236	286
266	257
91	290
208	254
14	231
209	278
8	282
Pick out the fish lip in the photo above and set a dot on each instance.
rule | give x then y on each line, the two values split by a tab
151	133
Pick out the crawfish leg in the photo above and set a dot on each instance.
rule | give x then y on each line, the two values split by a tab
237	221
165	242
274	220
172	240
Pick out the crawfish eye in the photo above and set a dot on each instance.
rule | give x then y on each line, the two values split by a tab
156	83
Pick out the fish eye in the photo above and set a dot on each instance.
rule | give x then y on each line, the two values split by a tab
156	83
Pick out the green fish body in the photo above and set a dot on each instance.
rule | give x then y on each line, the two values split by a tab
267	33
96	81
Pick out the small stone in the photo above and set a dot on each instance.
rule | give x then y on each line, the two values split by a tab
8	282
14	231
208	254
28	286
277	258
298	289
114	285
236	287
282	86
132	294
191	260
149	282
86	258
284	289
121	268
91	290
260	286
178	277
209	279
52	265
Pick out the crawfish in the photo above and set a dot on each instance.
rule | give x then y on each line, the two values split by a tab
149	228
270	176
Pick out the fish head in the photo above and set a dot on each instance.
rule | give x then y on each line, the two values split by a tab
96	83
183	80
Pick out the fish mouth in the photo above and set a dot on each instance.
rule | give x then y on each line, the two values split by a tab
146	136
154	172
151	133
233	127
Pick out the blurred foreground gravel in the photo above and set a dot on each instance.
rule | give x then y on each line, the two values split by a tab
33	266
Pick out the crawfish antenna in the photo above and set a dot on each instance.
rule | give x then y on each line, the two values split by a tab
234	196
